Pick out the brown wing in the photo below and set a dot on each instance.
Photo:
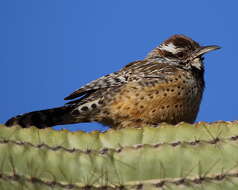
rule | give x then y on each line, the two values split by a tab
133	71
113	79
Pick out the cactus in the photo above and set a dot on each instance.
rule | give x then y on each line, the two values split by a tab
184	156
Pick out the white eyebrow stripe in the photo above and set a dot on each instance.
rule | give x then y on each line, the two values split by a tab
170	48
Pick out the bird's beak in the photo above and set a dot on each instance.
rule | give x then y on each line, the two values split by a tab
204	49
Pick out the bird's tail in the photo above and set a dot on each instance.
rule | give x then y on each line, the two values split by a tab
45	118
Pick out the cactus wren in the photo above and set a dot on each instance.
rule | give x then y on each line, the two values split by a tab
166	86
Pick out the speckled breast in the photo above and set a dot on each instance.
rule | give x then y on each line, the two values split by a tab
153	102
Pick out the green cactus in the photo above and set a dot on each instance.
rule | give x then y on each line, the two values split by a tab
185	156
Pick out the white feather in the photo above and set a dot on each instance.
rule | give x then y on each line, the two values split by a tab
170	48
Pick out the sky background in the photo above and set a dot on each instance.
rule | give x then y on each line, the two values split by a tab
49	48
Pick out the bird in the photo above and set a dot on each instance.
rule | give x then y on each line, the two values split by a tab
166	86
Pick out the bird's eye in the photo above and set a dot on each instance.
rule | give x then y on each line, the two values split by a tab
180	54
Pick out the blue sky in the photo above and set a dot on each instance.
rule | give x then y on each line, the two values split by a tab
50	48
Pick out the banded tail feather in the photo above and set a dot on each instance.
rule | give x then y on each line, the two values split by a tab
45	118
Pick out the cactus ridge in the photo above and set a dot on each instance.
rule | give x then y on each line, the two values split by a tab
118	150
20	178
132	160
200	156
137	185
114	139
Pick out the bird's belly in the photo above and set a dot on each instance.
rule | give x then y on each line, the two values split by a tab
156	104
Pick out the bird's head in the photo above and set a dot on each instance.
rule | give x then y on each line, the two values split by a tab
182	50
